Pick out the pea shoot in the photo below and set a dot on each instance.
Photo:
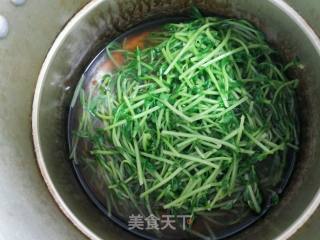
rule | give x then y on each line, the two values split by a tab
182	123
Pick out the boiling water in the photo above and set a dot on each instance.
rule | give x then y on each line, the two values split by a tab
210	225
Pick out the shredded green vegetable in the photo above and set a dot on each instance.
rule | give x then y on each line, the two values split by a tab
183	123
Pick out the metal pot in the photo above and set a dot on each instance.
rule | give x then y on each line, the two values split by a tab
101	21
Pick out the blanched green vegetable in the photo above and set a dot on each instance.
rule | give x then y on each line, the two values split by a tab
182	124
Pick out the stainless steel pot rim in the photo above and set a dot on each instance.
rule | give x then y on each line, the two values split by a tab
284	7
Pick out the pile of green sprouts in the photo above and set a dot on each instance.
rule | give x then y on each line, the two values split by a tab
182	125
